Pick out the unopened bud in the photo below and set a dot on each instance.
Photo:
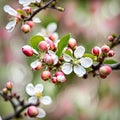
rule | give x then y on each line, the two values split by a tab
36	65
5	91
32	111
72	43
25	28
61	78
43	45
9	85
105	70
30	23
27	50
51	44
111	53
54	80
105	48
46	75
96	51
48	59
110	38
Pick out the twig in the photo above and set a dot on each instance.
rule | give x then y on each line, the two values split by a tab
39	9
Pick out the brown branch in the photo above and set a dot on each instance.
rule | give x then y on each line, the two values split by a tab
39	9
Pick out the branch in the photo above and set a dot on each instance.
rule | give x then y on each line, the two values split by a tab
115	66
39	9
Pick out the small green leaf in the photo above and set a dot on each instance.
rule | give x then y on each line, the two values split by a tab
68	53
89	55
21	12
110	61
34	41
62	44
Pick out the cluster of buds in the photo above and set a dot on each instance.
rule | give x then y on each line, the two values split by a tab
104	51
20	16
7	88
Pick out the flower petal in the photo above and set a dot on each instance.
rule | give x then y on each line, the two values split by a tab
30	89
39	88
11	25
36	20
67	68
46	100
52	27
34	64
79	52
79	70
67	58
86	62
42	113
10	10
32	100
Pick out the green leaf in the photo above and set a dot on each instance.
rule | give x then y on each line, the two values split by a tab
68	53
62	44
89	55
110	61
34	41
21	12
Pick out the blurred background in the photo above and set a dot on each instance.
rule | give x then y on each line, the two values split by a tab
89	22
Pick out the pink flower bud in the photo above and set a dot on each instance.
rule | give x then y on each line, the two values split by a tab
51	44
32	111
43	45
110	38
105	70
27	50
46	75
36	65
48	59
72	43
111	53
25	28
59	73
27	9
30	23
54	80
61	78
96	51
9	85
105	48
52	37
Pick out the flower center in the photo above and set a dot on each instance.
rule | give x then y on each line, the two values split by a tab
75	62
38	94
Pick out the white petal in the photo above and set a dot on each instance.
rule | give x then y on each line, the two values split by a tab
52	27
86	62
36	20
56	36
67	68
30	89
79	70
32	100
46	100
39	88
10	10
67	58
34	64
79	52
42	113
11	25
25	2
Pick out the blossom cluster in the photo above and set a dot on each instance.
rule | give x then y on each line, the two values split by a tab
54	67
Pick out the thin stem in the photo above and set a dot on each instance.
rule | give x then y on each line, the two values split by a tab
39	9
115	66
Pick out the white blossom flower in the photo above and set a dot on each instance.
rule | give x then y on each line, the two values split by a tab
78	63
36	94
50	30
28	2
11	25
